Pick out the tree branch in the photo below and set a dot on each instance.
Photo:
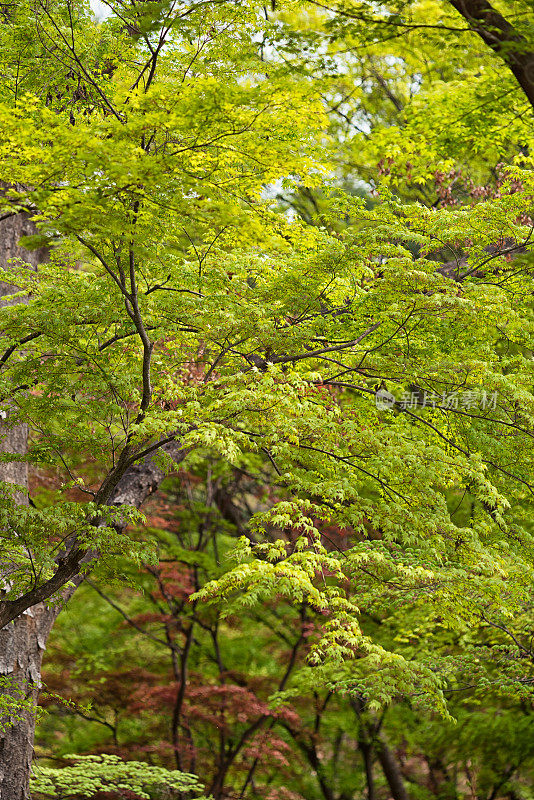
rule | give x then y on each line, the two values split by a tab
501	36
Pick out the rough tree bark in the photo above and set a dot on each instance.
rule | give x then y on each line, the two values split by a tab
22	641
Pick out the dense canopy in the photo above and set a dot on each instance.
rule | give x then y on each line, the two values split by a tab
266	372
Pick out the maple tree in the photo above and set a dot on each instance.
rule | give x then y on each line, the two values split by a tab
130	665
385	388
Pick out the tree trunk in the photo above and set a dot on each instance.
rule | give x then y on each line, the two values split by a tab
21	647
22	641
366	749
391	770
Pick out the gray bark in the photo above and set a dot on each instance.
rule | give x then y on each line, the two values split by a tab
22	641
21	649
